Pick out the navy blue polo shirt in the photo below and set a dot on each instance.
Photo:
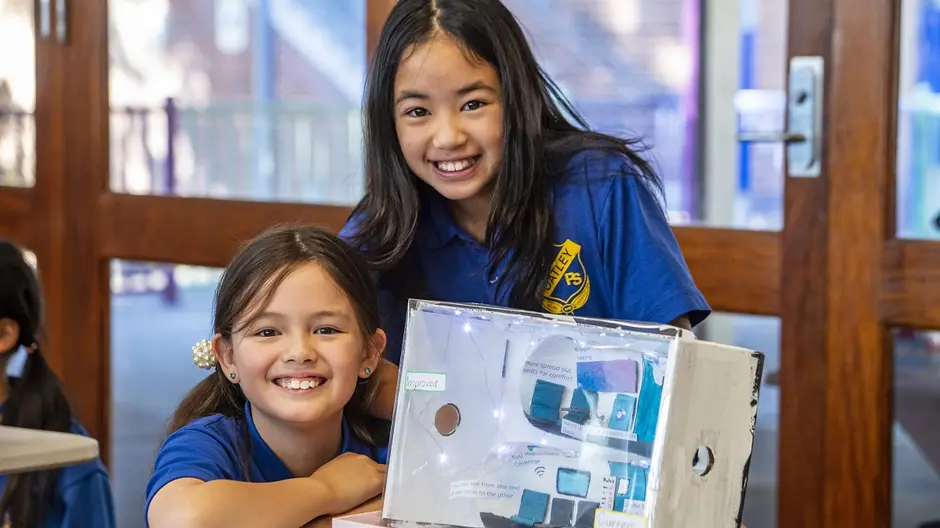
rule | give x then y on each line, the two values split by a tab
615	254
82	495
210	449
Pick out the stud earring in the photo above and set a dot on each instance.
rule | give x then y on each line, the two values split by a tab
232	375
368	371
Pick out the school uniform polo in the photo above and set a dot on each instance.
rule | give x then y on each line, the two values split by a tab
212	448
82	495
615	255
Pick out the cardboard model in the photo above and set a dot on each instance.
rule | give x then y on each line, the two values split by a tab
506	418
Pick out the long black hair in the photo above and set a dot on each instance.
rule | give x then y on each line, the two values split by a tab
244	291
36	399
542	130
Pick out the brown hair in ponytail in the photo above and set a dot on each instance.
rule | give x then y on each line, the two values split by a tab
36	399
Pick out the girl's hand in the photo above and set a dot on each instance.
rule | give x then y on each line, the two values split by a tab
351	479
374	504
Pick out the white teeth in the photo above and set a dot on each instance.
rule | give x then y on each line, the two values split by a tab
296	384
454	166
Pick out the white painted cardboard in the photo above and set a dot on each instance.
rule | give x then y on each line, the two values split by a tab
358	520
513	459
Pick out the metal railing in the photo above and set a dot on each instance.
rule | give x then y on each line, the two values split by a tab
282	151
311	152
17	151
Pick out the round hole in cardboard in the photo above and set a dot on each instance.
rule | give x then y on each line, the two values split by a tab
702	460
446	419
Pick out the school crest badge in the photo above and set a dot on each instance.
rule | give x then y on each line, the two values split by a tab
568	286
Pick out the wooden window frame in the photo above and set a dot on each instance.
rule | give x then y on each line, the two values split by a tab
836	275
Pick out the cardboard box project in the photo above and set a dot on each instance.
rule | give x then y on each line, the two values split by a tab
514	419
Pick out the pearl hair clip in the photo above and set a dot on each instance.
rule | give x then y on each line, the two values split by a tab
203	356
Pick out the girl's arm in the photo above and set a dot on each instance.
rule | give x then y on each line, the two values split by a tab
190	502
639	250
197	482
340	484
682	322
382	405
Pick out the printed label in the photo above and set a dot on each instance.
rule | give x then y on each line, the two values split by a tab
425	381
572	429
478	489
613	519
607	494
635	507
594	430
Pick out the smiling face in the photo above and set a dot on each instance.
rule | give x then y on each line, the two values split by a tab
449	119
299	361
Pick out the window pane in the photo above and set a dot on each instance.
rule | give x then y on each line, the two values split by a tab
17	94
633	66
916	475
918	180
158	312
761	334
237	99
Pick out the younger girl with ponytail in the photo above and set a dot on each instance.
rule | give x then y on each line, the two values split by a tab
74	496
280	434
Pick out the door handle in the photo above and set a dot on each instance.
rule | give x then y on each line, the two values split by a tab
805	100
771	137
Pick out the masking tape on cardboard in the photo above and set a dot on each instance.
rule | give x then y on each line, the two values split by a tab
615	519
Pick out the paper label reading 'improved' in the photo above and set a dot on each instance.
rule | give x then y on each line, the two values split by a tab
425	381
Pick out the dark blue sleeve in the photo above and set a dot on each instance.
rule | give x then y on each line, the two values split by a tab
88	502
350	229
642	259
393	323
381	455
192	453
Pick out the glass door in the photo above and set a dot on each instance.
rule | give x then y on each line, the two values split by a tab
18	76
31	143
915	269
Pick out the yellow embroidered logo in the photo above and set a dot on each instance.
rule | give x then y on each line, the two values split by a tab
568	285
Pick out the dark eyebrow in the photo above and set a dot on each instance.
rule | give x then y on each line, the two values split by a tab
331	313
268	315
317	314
472	87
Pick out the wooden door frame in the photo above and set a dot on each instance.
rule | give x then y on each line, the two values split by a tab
836	275
849	279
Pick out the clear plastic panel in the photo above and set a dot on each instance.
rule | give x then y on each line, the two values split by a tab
507	417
